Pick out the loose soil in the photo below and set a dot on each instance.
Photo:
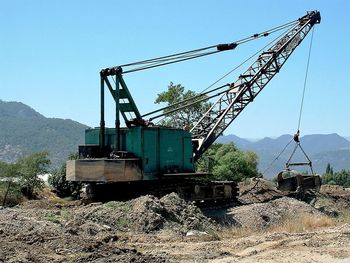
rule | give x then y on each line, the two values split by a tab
149	229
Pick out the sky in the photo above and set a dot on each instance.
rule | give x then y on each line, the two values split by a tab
51	53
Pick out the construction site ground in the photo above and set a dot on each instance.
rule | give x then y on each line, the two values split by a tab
268	226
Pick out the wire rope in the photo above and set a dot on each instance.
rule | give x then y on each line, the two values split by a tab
178	57
305	80
300	115
204	91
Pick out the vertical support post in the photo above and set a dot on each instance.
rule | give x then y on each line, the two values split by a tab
102	121
117	121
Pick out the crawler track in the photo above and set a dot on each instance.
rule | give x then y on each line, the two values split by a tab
203	193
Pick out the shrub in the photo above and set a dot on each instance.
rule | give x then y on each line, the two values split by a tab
62	187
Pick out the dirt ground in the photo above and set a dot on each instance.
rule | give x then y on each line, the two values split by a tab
326	245
148	229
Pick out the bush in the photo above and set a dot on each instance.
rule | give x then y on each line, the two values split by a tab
21	178
227	162
339	178
10	193
62	187
28	169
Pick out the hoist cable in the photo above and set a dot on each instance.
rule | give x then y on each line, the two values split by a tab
278	156
299	121
305	79
170	61
302	105
178	57
185	100
245	61
205	92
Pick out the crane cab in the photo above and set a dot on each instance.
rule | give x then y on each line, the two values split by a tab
146	153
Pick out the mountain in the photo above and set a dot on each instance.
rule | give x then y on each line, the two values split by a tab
317	143
24	131
320	148
239	142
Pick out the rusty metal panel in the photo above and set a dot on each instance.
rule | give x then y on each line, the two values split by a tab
103	170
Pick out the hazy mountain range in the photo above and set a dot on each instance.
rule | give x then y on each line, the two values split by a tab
320	148
23	131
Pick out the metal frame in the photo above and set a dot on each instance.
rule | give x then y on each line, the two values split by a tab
249	85
124	103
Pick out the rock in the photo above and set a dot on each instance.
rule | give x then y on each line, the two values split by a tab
195	233
106	227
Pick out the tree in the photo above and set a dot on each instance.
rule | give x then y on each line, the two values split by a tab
339	178
21	178
63	187
10	191
227	162
329	169
29	168
186	117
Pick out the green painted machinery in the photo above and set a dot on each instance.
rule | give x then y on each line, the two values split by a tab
145	158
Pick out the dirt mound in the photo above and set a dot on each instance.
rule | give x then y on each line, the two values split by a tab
336	191
32	235
145	214
263	215
150	213
257	190
44	231
333	200
40	231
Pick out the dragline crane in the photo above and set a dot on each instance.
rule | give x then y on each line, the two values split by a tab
146	158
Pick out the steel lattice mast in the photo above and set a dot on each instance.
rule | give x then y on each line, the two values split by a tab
249	85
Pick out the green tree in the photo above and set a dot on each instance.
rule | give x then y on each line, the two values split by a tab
227	162
63	187
29	168
185	117
10	190
339	178
22	177
329	169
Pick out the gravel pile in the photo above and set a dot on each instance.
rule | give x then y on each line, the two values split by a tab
263	215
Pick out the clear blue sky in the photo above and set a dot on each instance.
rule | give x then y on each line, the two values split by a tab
52	51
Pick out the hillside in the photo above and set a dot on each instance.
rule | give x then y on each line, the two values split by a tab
23	131
321	149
